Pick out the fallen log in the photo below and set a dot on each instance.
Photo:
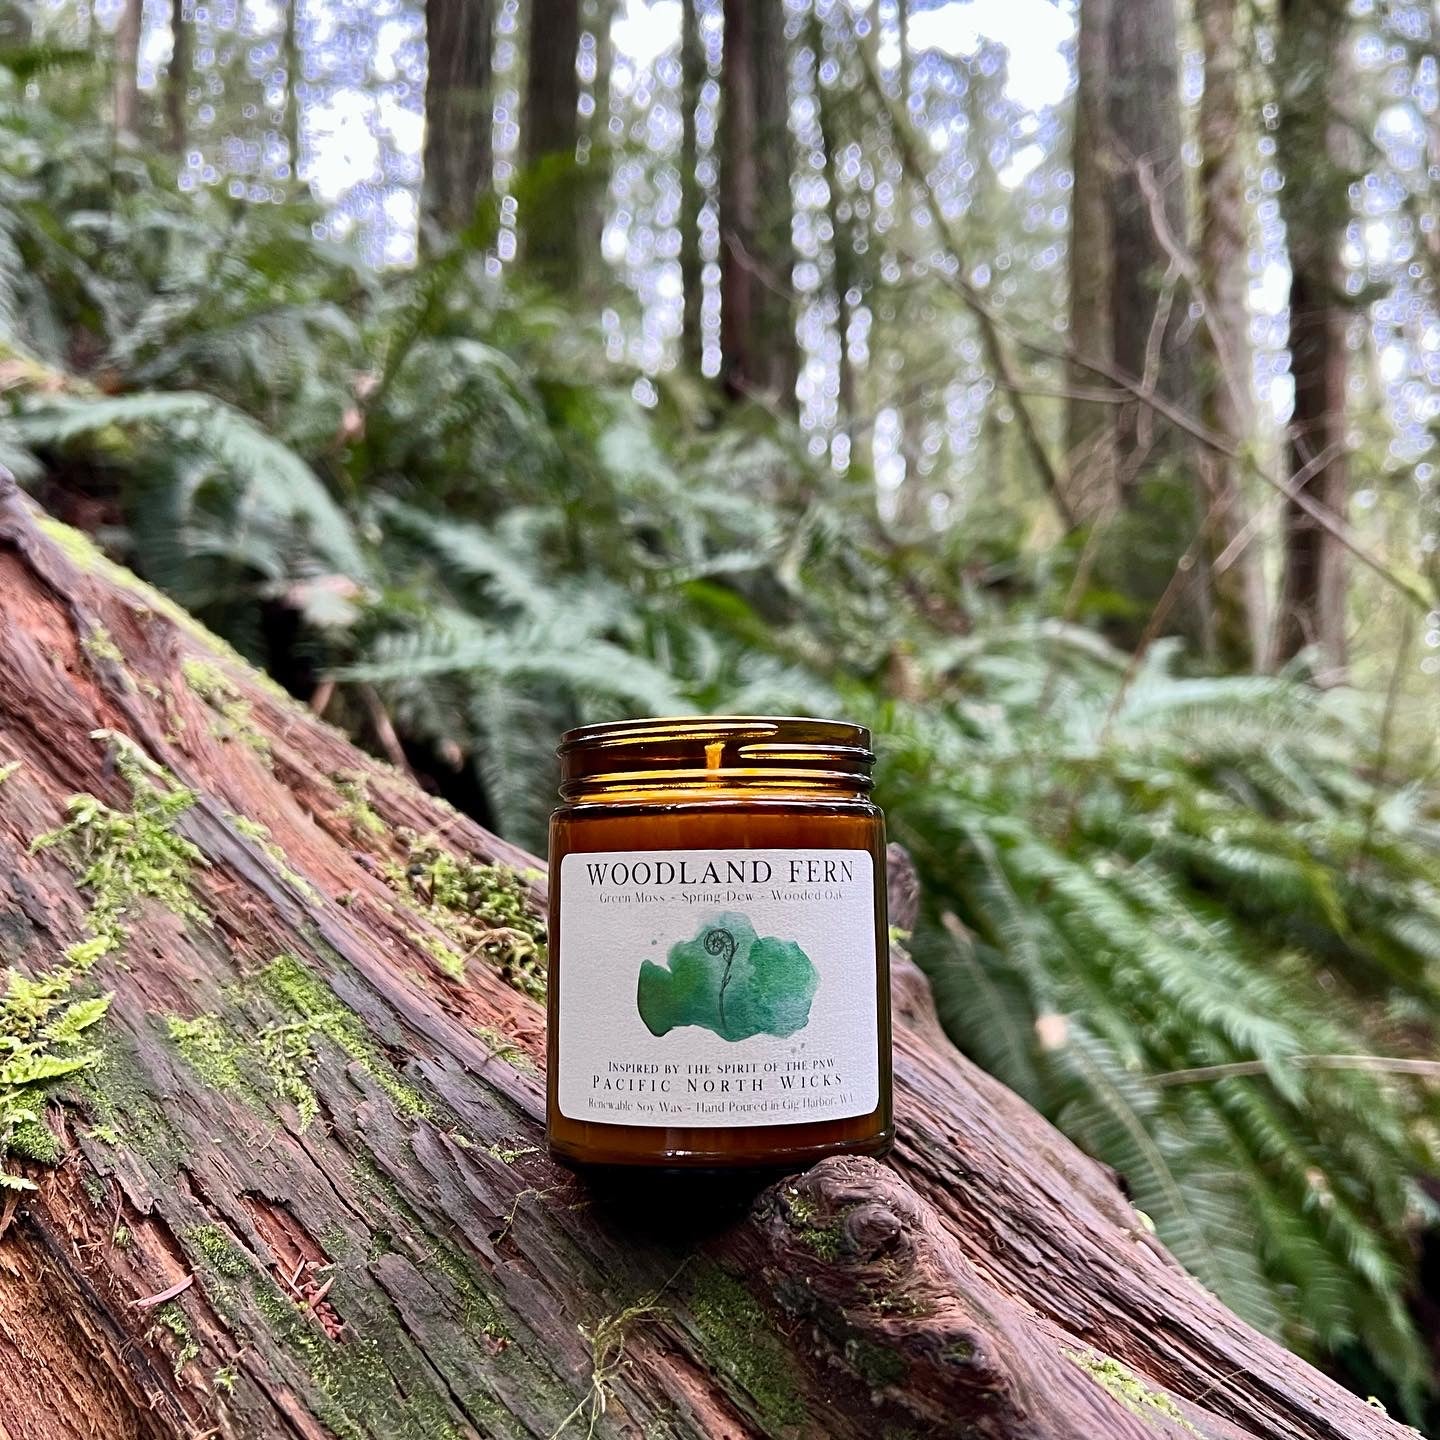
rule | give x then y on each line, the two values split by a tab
292	1181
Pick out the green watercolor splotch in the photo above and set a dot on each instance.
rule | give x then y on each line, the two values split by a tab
730	981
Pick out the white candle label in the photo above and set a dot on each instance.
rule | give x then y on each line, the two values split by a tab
718	988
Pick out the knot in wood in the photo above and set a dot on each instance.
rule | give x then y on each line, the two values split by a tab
873	1230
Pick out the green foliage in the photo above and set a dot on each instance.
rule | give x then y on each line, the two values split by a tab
483	910
124	856
1137	1397
121	857
275	1060
1150	910
1163	906
44	1038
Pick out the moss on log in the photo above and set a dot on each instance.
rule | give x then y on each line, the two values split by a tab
296	1186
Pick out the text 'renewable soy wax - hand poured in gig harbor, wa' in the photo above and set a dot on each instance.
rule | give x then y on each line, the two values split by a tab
719	977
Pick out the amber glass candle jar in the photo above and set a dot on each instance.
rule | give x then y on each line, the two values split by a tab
719	975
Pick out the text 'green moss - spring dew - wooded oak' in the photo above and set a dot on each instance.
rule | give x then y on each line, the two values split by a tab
282	1029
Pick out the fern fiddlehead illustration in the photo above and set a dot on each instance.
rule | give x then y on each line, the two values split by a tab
722	942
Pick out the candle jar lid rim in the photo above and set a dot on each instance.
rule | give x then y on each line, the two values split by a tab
714	755
798	729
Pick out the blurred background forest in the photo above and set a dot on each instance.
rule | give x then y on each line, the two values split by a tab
1053	388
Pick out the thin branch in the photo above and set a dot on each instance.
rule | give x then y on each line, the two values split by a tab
1183	573
1412	588
990	333
1312	467
384	729
1181	258
1380	1064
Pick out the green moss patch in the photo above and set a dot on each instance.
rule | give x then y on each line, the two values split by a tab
275	1061
170	1319
44	1038
295	989
483	910
125	856
451	962
742	1343
1132	1392
354	792
208	681
824	1239
99	644
259	836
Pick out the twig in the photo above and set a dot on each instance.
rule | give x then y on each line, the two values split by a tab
990	331
1185	261
1312	467
607	1344
7	1211
1183	571
763	273
385	731
1381	1064
320	1294
161	1296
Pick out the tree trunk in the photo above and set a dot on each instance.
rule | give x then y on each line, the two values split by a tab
458	109
297	1188
294	76
127	75
1090	482
177	80
553	204
1155	464
1240	630
1315	205
17	24
759	354
902	40
693	72
596	146
841	242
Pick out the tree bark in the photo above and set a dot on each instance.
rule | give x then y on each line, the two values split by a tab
1149	303
458	109
902	39
596	147
759	354
841	242
294	75
1224	249
304	1193
127	76
177	80
1090	481
553	206
693	71
1315	205
17	24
